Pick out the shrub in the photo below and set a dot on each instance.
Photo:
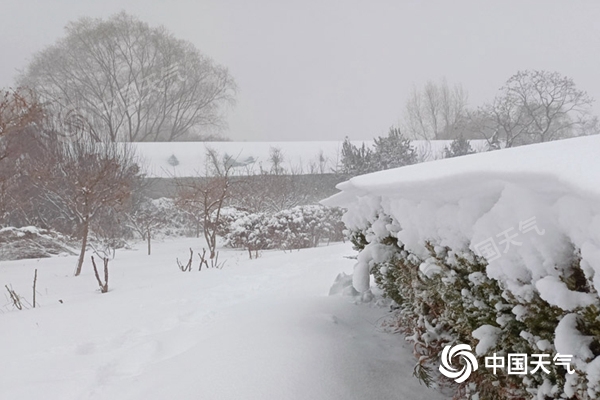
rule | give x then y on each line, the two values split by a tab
458	147
296	228
227	217
249	232
447	298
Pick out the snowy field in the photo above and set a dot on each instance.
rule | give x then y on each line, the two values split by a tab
257	329
298	157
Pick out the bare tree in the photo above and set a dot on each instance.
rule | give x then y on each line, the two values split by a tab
539	106
103	285
20	114
145	219
435	112
206	195
21	121
122	80
502	123
83	179
18	109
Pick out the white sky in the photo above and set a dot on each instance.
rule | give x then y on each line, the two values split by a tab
323	70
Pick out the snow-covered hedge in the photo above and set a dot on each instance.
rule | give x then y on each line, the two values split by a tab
32	242
250	232
174	222
296	228
227	216
500	251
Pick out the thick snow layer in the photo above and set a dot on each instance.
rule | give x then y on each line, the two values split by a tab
257	329
555	292
570	341
298	157
567	166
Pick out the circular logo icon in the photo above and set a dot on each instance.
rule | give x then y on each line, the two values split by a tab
465	353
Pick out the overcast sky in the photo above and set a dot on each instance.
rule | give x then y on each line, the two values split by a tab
323	70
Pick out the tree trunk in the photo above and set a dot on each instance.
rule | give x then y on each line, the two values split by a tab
149	238
213	246
86	226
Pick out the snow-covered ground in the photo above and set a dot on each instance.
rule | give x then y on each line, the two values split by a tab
256	329
298	157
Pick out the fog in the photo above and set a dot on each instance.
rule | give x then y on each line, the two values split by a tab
329	69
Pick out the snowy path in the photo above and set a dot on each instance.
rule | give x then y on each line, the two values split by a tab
258	329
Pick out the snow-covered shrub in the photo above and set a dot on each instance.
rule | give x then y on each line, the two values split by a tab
227	217
32	242
291	229
251	232
297	228
174	222
331	227
445	297
324	223
305	226
421	238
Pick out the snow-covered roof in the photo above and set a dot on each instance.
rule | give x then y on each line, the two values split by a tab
298	157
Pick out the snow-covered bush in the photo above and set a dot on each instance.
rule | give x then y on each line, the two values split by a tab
228	216
174	222
506	261
161	217
296	228
32	242
291	229
251	232
446	299
304	226
331	226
